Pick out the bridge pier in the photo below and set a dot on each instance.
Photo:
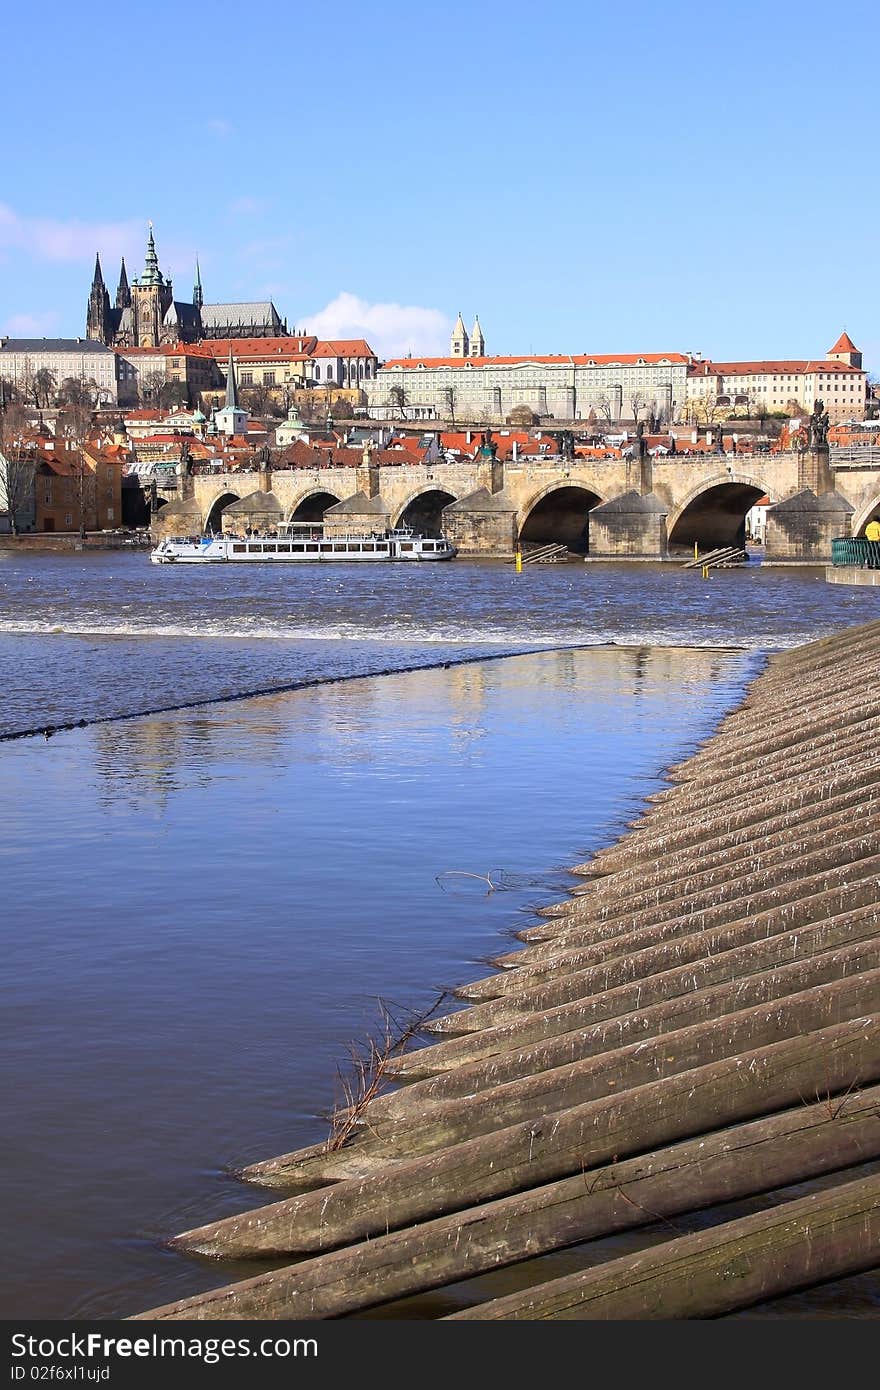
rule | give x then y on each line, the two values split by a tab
631	527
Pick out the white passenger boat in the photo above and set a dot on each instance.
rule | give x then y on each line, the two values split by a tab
399	544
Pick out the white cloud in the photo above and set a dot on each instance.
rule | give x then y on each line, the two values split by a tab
220	126
32	325
391	329
46	239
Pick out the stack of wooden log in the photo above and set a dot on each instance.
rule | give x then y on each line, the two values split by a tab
698	1024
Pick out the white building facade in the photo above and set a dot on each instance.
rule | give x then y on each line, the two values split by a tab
626	387
79	358
838	381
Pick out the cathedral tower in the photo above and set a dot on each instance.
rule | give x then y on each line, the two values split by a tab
99	321
123	293
151	296
478	343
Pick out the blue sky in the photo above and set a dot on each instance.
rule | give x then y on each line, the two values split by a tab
591	177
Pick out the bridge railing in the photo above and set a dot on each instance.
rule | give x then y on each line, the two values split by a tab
856	456
856	550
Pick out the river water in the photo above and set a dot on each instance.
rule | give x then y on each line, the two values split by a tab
210	898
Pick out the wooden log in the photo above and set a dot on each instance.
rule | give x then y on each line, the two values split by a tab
734	849
693	894
659	1020
388	1136
794	1245
765	726
762	816
737	1162
714	968
831	733
832	739
645	964
818	895
559	1145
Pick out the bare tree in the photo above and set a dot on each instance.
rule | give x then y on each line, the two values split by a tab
43	385
449	401
150	383
84	484
705	409
173	393
79	395
637	402
17	463
257	398
397	397
605	407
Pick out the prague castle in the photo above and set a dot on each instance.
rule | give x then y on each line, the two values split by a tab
146	313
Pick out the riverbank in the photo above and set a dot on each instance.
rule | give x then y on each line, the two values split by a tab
691	1037
58	542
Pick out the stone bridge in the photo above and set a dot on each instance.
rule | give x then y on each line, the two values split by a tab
609	509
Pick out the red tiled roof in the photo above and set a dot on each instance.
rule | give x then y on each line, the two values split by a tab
281	349
343	347
844	344
793	367
626	359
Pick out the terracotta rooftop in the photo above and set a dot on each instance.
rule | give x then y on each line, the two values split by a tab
844	344
562	359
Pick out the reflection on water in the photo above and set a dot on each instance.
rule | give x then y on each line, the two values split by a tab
99	635
206	909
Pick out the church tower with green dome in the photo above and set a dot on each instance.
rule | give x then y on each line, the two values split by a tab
151	298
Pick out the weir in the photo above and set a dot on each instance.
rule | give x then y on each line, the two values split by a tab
696	1024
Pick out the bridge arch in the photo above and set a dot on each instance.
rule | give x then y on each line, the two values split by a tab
423	510
559	512
866	513
312	505
714	511
214	519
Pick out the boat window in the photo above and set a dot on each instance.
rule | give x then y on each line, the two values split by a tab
269	549
368	545
283	549
313	549
326	548
355	547
239	549
340	548
406	545
427	545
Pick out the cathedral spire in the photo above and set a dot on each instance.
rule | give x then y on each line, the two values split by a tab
231	388
477	347
152	274
99	326
198	297
123	293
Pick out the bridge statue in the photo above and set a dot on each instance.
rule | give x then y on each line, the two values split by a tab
488	448
819	425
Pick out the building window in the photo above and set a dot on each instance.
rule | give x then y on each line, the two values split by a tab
247	378
68	520
109	513
268	378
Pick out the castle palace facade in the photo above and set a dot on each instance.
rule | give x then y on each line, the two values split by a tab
146	313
